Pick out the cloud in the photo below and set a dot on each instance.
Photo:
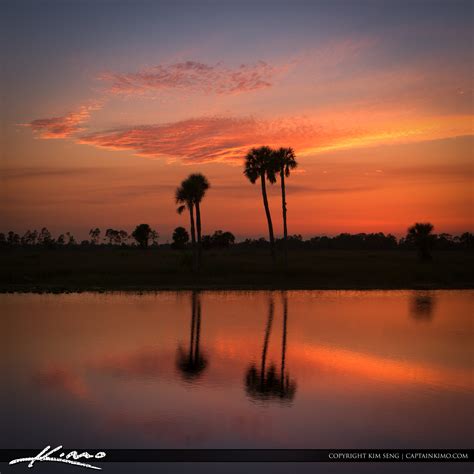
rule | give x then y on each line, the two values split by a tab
66	125
227	139
214	139
193	76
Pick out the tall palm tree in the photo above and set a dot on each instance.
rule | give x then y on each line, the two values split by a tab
284	161
259	164
199	185
184	197
421	235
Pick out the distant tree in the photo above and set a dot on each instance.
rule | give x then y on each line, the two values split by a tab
3	239
219	239
258	165
111	234
45	237
122	236
421	236
180	238
94	234
61	240
29	238
13	238
466	240
154	236
71	240
284	160
142	234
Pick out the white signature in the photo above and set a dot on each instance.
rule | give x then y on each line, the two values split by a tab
70	458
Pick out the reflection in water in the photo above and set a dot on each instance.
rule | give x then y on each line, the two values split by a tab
422	305
267	384
368	373
192	362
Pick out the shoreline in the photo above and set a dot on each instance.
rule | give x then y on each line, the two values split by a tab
109	269
77	289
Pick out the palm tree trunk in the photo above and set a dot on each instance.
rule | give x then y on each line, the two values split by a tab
283	206
269	217
198	228
193	237
268	330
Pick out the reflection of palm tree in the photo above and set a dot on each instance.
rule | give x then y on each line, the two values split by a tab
268	384
191	363
422	305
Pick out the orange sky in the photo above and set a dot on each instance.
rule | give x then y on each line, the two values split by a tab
378	110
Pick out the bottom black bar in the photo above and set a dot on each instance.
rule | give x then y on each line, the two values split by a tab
95	456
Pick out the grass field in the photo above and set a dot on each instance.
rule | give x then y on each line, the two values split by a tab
134	269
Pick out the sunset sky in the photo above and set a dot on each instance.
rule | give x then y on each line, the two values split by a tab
107	106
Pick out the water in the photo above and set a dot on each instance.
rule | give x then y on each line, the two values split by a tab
298	369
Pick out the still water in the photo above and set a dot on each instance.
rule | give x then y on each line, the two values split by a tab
297	369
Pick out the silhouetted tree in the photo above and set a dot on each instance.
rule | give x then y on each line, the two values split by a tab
71	240
3	239
94	234
467	240
420	235
258	164
218	239
61	240
190	194
199	185
180	238
13	238
29	238
45	237
142	234
284	160
185	197
154	236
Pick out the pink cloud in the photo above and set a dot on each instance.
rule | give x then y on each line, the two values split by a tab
214	139
193	76
65	125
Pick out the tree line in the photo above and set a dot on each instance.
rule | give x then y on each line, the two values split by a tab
262	164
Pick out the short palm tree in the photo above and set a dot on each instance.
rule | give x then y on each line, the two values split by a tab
284	161
199	184
259	164
184	197
421	235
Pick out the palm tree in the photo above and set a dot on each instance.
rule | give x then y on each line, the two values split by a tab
199	185
258	164
284	161
421	235
184	197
